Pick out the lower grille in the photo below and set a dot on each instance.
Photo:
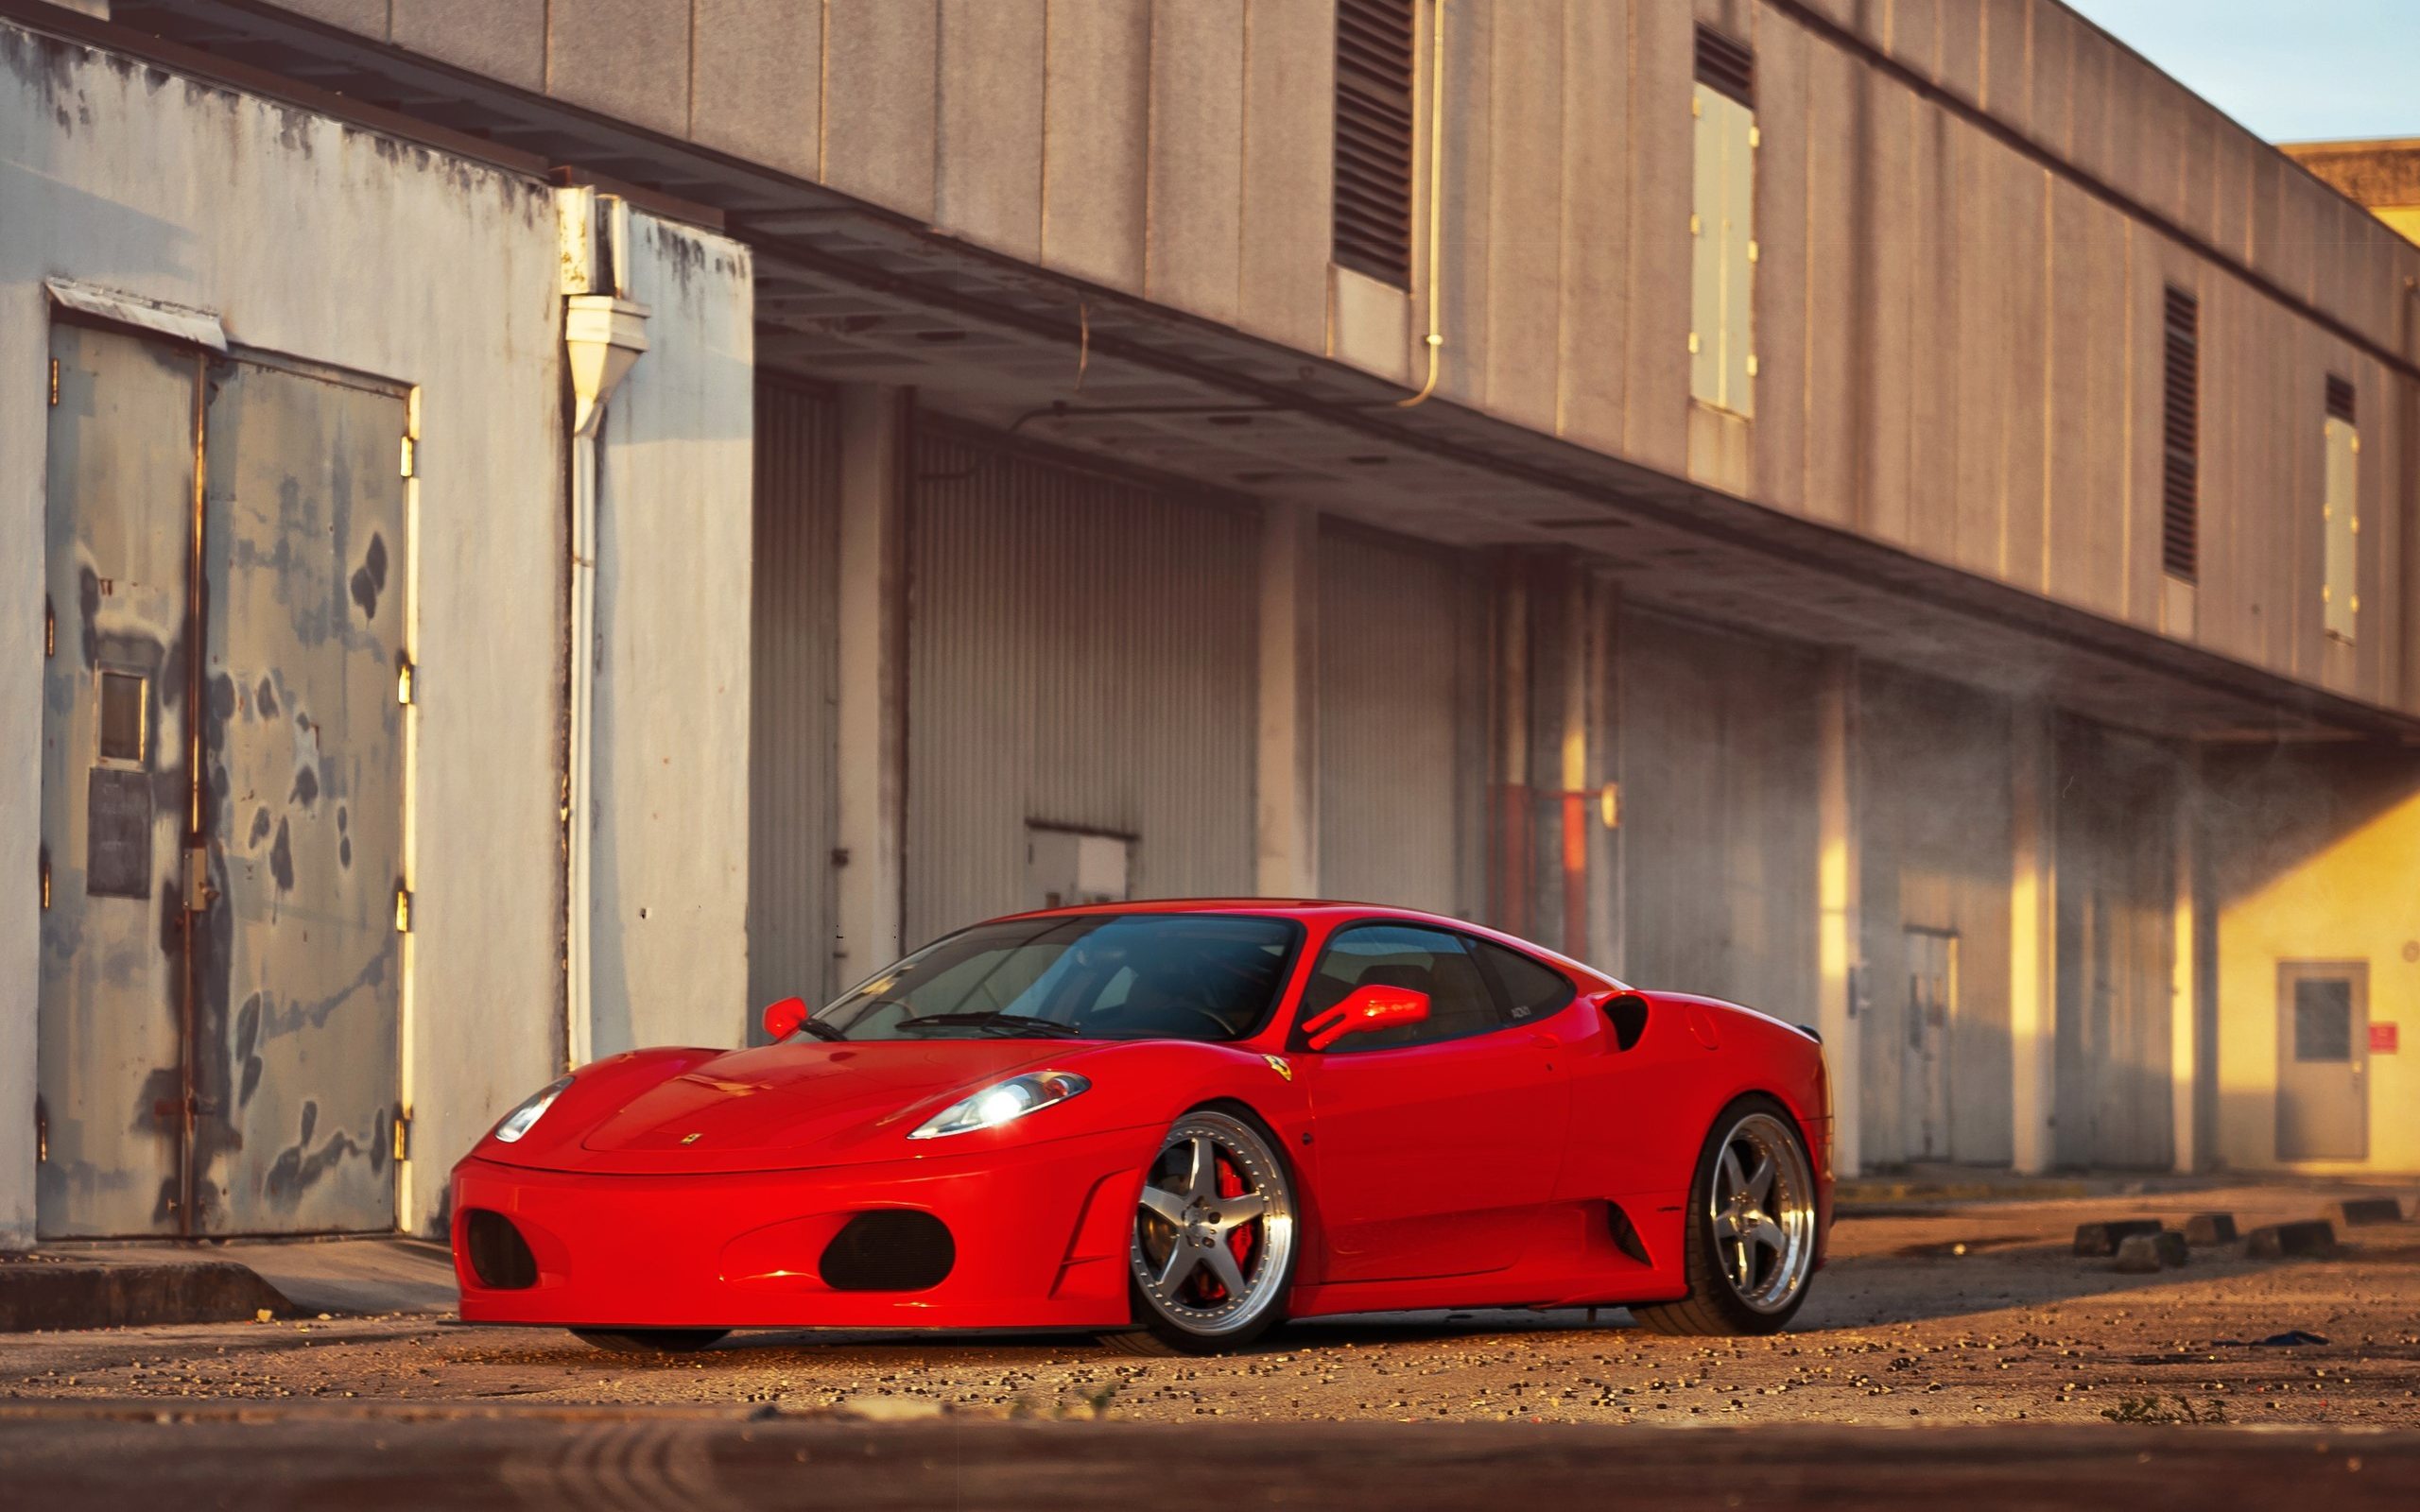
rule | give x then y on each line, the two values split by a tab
499	1256
888	1252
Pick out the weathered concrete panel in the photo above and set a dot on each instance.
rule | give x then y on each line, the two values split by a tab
759	82
1095	120
1959	48
628	59
1193	253
1469	245
879	100
987	173
1985	273
1933	356
1525	211
1887	314
2007	75
502	39
1596	221
1654	396
1784	217
674	528
1839	273
2078	488
1289	87
2032	298
367	17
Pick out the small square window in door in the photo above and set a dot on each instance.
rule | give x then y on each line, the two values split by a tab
117	795
2322	1019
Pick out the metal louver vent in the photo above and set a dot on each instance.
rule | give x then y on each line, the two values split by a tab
2179	545
2340	398
1726	67
1373	126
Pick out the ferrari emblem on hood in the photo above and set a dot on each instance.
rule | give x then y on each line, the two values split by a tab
1277	1064
692	1138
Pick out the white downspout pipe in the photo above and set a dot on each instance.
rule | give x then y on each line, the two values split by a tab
603	335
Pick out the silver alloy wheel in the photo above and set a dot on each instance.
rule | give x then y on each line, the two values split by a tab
1762	1206
1188	1231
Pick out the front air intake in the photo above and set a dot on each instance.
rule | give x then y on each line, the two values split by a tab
500	1258
893	1250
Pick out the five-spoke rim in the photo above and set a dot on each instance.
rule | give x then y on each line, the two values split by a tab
1762	1206
1214	1226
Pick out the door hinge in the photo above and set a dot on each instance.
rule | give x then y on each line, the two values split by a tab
403	910
53	383
49	629
198	893
407	458
45	879
403	678
402	1133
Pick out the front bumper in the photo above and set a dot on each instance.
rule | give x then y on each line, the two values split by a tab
1040	1234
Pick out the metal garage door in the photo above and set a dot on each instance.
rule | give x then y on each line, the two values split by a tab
2117	850
792	695
1718	760
1081	663
1390	698
221	972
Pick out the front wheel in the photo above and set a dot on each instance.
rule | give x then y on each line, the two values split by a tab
1750	1240
1212	1247
649	1341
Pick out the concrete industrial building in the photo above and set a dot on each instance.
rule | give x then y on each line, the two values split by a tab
1889	510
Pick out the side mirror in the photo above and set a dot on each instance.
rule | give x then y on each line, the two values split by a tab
783	1019
1367	1008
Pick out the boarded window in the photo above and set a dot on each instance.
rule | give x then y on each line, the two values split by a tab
1722	358
2340	599
2180	544
1374	138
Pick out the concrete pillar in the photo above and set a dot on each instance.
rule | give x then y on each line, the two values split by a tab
2032	1005
1606	905
1510	847
1287	854
873	684
1836	949
2185	1002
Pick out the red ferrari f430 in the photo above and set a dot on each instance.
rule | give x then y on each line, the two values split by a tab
1176	1124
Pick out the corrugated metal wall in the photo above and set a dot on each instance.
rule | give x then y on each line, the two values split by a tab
1717	764
1391	712
1082	652
2115	914
791	722
1932	807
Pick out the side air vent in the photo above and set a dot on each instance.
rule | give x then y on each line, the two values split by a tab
1628	1015
500	1258
1626	1234
892	1250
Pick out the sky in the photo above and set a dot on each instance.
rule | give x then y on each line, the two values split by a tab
2289	70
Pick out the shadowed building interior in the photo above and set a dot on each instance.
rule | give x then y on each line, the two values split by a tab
1894	512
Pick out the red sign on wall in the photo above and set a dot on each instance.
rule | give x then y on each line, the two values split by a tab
2382	1039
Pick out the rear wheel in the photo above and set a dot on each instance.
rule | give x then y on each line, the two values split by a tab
1751	1238
649	1341
1212	1247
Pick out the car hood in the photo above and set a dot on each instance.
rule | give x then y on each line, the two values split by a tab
775	1107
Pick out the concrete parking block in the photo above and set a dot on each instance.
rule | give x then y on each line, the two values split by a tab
2141	1254
2312	1236
2211	1229
2102	1239
2362	1212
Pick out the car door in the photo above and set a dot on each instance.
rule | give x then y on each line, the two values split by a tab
1437	1143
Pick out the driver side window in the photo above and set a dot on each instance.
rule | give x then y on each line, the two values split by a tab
1406	955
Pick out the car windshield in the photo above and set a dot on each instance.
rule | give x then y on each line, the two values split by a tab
1090	976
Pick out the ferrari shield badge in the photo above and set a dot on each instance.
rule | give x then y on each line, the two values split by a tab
1277	1064
692	1138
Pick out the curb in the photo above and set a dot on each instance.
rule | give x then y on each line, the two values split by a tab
41	1293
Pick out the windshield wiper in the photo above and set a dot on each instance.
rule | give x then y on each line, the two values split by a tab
823	1030
1015	1023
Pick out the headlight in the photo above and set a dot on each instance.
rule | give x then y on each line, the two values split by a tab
995	1106
518	1122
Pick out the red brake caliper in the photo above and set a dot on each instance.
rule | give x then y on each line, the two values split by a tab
1239	1238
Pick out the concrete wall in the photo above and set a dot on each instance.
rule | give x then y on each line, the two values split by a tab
2311	859
328	243
1958	297
669	889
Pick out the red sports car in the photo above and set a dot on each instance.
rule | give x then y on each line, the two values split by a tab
1175	1123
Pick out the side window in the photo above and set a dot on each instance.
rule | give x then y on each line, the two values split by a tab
1427	960
1530	990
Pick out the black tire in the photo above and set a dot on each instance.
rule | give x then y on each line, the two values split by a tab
649	1341
1719	1302
1175	1316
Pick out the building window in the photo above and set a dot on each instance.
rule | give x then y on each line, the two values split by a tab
2180	540
1374	139
2339	515
1723	355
